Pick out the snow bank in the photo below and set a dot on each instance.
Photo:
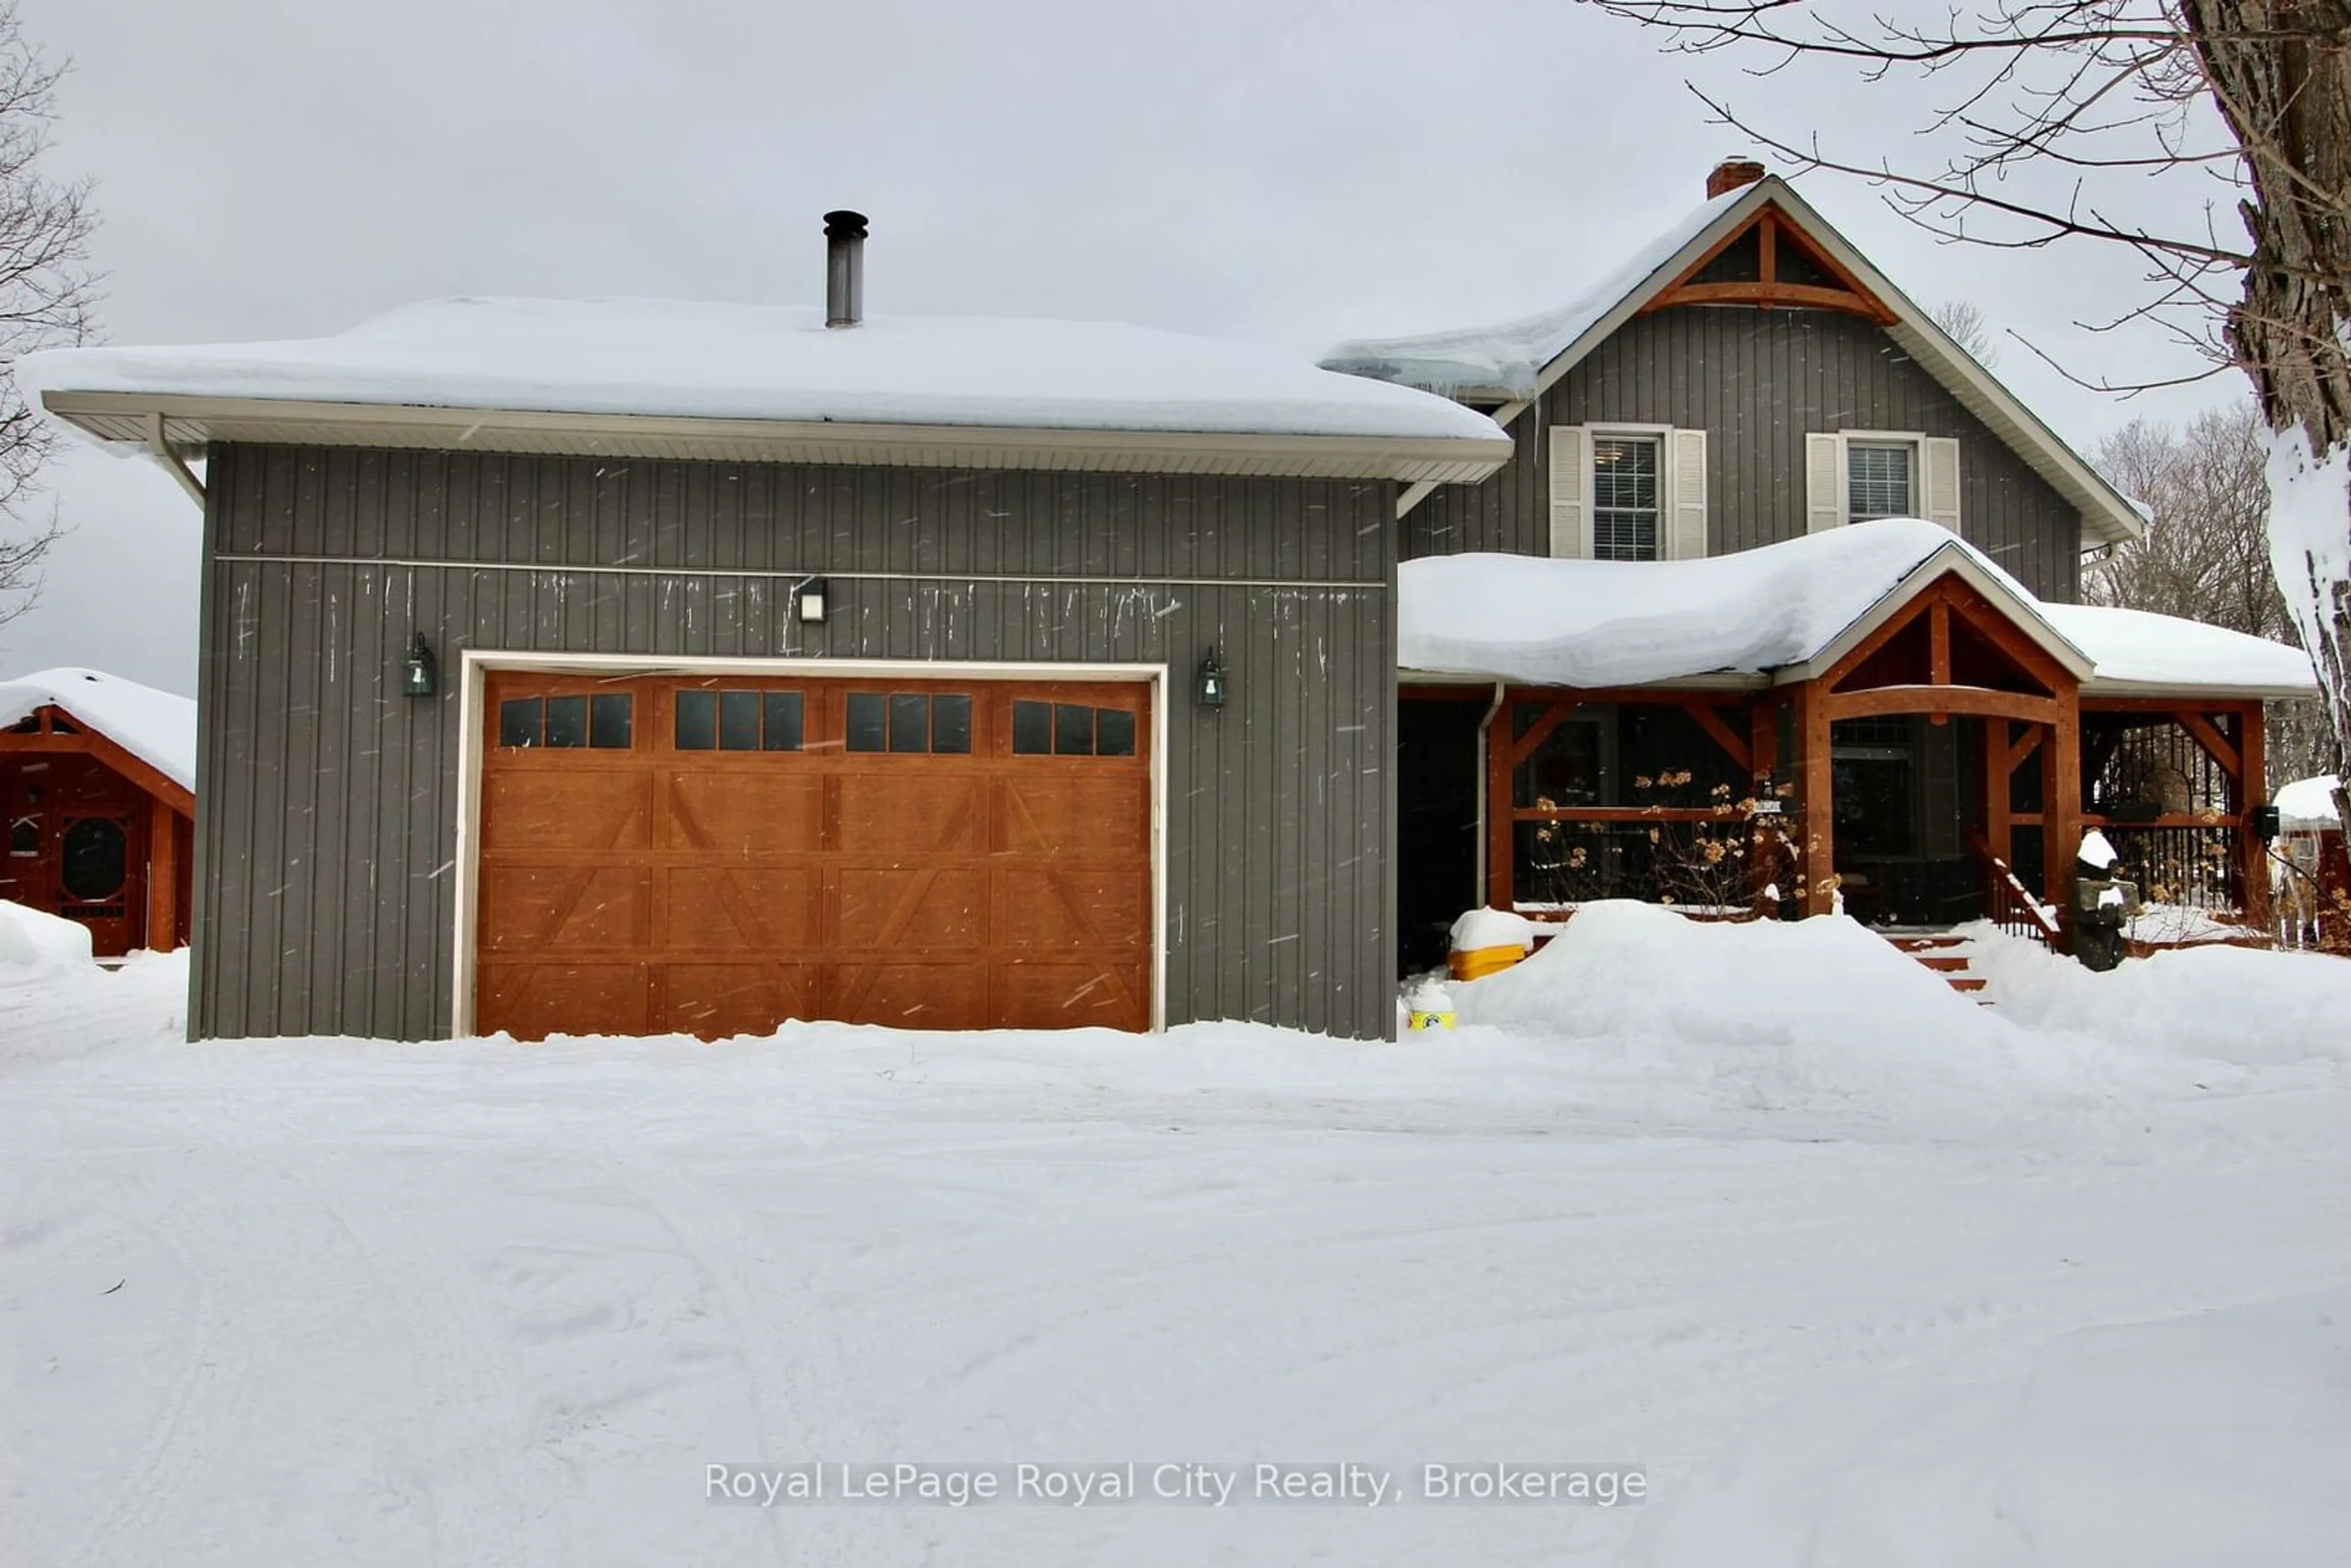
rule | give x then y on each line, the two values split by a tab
1493	929
2215	1002
2222	1438
776	362
34	944
1821	1026
157	728
1509	356
1603	623
2309	803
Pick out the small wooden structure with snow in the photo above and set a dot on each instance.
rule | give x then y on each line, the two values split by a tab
98	796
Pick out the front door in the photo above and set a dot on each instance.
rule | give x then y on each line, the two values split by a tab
1902	821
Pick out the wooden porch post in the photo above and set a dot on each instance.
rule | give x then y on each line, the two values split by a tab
1501	843
1997	790
163	875
2061	807
2252	787
1817	791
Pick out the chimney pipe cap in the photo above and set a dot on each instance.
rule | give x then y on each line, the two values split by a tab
1733	175
844	224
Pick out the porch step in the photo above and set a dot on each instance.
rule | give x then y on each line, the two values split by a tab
1946	956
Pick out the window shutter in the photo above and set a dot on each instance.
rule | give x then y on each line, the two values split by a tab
1941	485
1571	527
1686	533
1824	481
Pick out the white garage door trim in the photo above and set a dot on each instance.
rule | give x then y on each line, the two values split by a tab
476	663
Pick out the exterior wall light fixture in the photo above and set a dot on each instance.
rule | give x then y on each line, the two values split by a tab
419	675
1210	689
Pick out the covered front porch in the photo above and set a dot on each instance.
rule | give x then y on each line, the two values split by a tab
1934	759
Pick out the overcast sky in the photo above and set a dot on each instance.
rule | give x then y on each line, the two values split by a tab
1299	170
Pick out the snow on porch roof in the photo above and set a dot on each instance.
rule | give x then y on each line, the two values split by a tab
156	727
1748	616
780	365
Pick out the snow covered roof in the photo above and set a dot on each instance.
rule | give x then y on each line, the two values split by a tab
1522	359
1771	613
158	729
572	362
1510	356
2139	648
2309	803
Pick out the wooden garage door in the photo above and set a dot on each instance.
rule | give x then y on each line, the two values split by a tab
712	856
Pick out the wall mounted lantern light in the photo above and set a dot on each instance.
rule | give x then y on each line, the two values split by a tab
1210	690
808	600
419	677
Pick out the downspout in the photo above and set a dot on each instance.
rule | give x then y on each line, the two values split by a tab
1485	738
163	454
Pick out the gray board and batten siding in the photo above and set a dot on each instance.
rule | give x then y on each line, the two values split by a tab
1757	381
325	850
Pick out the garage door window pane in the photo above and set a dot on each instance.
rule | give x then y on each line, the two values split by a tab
738	721
951	725
566	721
609	720
783	728
1073	730
1032	729
910	722
1113	732
698	721
519	722
865	732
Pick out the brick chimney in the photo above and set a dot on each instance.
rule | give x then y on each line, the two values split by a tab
1731	174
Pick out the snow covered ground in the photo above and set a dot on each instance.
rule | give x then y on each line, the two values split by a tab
1831	1255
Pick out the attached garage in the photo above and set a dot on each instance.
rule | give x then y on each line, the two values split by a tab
713	853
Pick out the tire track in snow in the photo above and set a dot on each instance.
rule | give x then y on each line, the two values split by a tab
447	1333
767	1308
214	1390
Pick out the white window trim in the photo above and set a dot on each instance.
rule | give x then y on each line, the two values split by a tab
1916	440
1663	435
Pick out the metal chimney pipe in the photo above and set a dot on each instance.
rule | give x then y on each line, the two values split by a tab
844	269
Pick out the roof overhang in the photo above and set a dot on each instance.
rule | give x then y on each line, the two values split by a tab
2197	691
2107	515
1715	681
190	424
1952	559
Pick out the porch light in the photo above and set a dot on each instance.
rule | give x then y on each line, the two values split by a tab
1210	690
419	676
808	601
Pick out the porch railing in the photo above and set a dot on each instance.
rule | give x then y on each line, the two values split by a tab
2010	905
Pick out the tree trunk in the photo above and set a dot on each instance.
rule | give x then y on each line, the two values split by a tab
2280	71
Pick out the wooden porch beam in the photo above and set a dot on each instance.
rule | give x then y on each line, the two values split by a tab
1939	643
1524	746
1724	736
2020	750
2200	730
1986	701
